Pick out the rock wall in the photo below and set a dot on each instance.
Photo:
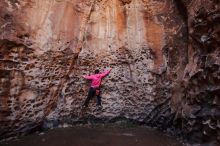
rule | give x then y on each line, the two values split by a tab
193	80
199	110
158	49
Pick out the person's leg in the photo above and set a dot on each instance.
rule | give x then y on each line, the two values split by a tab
98	97
99	100
90	95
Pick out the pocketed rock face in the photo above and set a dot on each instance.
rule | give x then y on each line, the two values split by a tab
47	45
198	110
193	81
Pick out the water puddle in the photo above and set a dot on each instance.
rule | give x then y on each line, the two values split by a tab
98	136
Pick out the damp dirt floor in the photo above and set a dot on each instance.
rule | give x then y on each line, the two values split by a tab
96	136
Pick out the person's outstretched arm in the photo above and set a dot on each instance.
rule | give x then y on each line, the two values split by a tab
88	77
105	73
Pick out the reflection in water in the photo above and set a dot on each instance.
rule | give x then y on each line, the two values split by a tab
98	136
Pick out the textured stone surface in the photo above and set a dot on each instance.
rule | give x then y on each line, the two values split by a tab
200	107
164	55
193	80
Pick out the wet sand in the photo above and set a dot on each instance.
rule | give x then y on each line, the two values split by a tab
99	136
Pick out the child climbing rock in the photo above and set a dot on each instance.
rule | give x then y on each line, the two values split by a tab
95	86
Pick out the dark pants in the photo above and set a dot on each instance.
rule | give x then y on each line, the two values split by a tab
92	92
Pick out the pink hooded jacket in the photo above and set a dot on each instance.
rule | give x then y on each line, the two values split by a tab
97	78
